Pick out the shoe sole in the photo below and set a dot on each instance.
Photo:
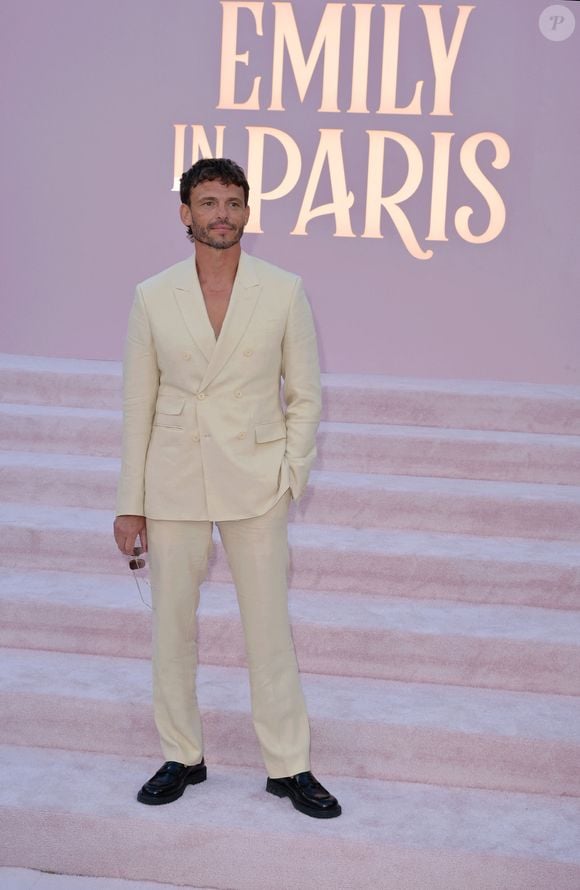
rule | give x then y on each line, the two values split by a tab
315	812
194	779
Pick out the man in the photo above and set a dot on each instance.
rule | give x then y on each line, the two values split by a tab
205	439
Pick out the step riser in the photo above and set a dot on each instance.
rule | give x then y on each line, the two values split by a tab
338	451
493	664
73	390
319	568
432	511
362	749
455	410
65	435
148	854
389	403
408	456
497	516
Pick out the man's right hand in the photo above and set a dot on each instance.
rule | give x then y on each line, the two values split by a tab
126	530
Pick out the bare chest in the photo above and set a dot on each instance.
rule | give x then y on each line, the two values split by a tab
216	301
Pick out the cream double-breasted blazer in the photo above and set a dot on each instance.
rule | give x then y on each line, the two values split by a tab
206	434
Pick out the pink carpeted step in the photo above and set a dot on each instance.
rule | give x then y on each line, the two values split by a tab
230	833
418	732
503	647
57	429
370	448
335	558
452	453
40	380
31	879
510	509
466	404
352	398
503	509
351	447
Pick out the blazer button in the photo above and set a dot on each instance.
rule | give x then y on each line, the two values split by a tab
195	437
248	352
241	435
201	396
187	356
238	394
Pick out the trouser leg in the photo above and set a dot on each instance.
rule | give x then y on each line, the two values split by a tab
257	551
178	554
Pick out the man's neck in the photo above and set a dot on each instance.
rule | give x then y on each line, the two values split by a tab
215	265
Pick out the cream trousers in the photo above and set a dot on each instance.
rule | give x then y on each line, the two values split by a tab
257	552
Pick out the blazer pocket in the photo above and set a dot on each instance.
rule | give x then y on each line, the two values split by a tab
270	432
169	412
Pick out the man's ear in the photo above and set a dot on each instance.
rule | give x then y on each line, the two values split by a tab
247	216
185	214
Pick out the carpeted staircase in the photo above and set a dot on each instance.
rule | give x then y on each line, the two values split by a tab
436	611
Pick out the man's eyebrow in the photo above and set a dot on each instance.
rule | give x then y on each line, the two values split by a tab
214	197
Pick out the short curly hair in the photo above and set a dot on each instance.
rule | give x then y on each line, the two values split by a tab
208	169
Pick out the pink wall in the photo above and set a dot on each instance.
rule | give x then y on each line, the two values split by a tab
95	89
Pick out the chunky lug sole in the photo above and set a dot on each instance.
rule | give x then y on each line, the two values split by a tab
317	812
200	775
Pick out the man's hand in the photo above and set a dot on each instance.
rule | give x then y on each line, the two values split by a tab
126	530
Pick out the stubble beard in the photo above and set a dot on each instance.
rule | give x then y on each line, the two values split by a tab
204	236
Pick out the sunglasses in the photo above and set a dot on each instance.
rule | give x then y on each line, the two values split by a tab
137	565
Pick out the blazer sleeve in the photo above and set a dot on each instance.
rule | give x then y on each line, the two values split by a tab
140	386
302	389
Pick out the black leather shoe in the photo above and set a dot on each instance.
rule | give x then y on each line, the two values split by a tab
306	794
170	782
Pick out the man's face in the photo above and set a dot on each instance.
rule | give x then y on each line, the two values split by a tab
216	213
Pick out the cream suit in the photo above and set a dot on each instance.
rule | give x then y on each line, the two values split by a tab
205	435
207	438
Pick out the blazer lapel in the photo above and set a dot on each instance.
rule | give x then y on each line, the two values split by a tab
244	297
187	292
